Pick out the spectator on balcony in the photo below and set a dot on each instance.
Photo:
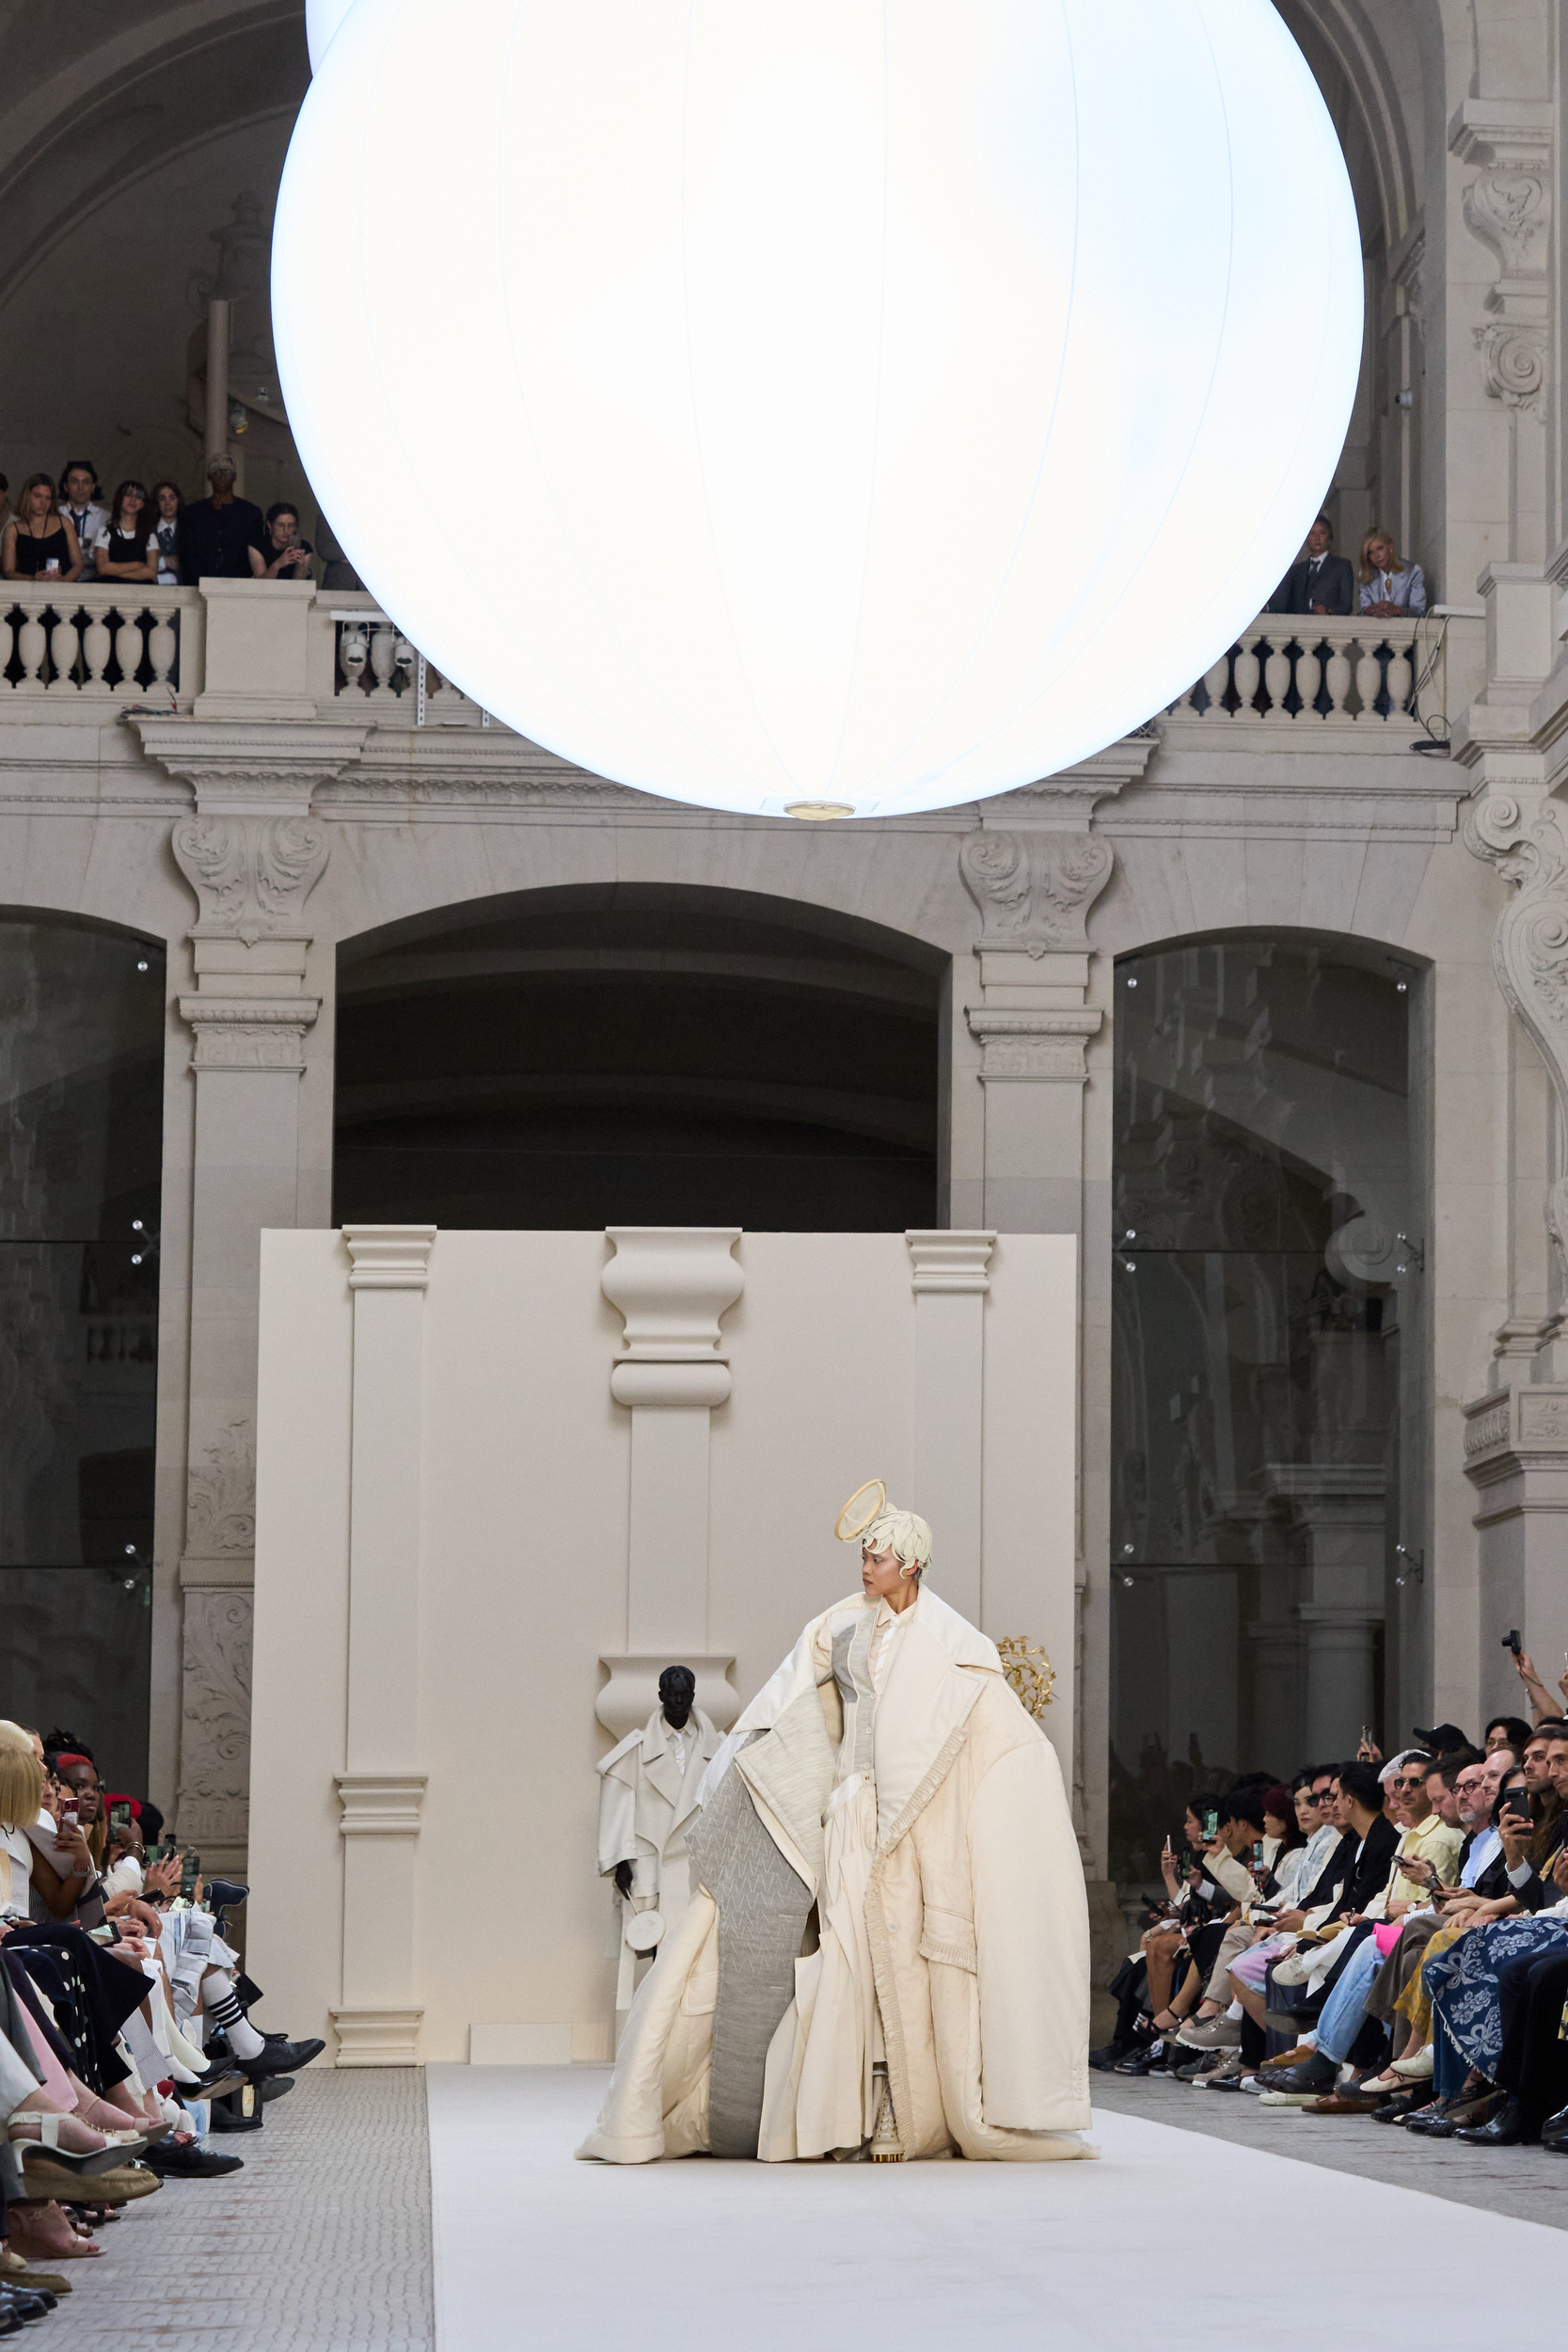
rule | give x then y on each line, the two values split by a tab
1321	582
82	500
39	542
5	501
218	534
121	549
284	555
338	573
164	543
1388	587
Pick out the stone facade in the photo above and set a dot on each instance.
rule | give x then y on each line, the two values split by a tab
304	790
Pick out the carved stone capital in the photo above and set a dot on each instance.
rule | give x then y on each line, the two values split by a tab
380	1804
249	1032
671	1283
220	1497
1509	209
251	875
1525	838
946	1260
1034	890
388	1256
1031	1045
1512	362
212	1807
377	2037
257	766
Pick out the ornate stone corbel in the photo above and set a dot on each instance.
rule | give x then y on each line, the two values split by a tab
1508	209
1527	842
251	875
1034	890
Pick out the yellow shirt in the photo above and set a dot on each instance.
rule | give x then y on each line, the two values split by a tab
1432	1840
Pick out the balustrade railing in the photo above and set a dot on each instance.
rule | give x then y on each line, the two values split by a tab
1289	669
375	660
97	640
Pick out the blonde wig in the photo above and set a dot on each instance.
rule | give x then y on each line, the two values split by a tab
21	1784
904	1535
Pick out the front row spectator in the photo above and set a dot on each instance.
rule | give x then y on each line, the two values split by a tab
121	549
285	555
39	542
167	505
1388	587
218	534
1321	582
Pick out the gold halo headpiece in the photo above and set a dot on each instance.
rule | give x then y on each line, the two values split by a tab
848	1527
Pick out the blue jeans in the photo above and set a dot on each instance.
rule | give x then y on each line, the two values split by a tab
1344	2012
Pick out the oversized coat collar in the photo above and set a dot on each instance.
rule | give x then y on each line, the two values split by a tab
939	1664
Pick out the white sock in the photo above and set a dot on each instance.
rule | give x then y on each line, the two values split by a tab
1236	2012
243	2040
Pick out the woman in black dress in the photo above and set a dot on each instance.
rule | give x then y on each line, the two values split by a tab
39	543
120	552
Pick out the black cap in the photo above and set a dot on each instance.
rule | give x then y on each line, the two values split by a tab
1441	1737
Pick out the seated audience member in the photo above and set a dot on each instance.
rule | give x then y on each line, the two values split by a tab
81	503
39	542
283	554
5	501
1321	582
1506	1731
121	549
1388	587
219	533
162	544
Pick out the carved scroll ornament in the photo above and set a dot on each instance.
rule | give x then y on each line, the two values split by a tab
251	875
1034	890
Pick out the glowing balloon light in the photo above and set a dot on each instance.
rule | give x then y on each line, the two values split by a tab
814	401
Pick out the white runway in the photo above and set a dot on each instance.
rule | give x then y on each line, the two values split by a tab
534	2250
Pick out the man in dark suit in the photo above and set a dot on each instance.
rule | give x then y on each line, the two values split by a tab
1321	582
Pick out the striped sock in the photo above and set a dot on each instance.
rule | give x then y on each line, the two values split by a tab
243	2040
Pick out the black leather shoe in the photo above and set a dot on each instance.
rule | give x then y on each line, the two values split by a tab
1395	2110
1513	2126
1316	2073
1105	2062
187	2160
1554	2133
223	1895
1432	2124
1143	2061
274	2087
281	2058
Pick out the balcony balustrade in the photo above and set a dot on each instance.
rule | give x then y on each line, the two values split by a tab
284	649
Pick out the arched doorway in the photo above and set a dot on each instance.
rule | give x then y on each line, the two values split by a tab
637	1054
1266	1355
82	1017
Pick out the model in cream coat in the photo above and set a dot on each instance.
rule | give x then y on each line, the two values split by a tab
957	1888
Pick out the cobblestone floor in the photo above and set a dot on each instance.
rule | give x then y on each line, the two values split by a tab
321	2244
1518	2181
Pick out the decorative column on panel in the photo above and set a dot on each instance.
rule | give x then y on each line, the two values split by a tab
671	1284
1508	207
949	1278
381	1788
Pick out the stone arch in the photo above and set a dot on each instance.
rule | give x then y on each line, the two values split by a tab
656	1053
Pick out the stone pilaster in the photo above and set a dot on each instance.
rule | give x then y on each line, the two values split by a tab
252	849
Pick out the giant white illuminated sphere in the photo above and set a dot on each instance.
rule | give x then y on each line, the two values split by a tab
321	20
769	402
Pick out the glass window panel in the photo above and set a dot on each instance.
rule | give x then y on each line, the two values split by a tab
81	1097
1262	1167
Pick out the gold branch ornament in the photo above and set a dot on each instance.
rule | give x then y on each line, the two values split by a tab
1030	1671
848	1527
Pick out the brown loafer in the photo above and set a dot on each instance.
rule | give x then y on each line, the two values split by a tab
1345	2103
120	2187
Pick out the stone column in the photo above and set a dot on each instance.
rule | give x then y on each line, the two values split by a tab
252	851
1339	1681
949	1279
381	1788
671	1284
